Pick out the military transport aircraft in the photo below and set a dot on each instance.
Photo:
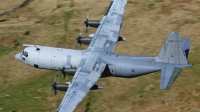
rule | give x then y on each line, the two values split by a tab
99	60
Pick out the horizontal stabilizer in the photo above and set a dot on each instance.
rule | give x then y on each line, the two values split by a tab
169	75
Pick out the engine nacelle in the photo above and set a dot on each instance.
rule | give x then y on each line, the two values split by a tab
70	71
94	23
64	87
61	87
87	40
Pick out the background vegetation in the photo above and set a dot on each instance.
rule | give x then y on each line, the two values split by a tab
57	23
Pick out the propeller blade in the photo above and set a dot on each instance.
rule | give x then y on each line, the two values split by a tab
62	74
86	23
87	16
55	92
54	89
86	29
78	43
55	80
80	33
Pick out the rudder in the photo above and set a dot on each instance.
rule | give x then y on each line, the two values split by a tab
186	45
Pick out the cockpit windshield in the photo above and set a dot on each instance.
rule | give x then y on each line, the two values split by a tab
25	53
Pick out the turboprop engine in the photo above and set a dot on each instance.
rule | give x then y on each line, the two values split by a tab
83	40
68	71
86	40
91	23
64	87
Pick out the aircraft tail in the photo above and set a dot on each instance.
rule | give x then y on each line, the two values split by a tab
173	54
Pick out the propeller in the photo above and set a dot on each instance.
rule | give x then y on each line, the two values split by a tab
78	39
63	74
86	23
54	89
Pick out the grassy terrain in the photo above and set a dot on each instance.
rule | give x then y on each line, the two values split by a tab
7	5
146	25
28	94
4	50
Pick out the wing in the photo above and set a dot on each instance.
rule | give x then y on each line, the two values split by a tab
91	66
87	74
107	34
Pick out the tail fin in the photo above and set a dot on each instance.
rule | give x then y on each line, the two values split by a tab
174	53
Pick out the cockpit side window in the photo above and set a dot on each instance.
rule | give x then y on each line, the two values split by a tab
25	53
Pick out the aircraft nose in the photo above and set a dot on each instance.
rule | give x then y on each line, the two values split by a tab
17	56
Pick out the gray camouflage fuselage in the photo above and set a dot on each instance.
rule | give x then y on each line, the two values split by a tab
118	65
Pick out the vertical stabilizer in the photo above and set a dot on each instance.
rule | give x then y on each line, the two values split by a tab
173	51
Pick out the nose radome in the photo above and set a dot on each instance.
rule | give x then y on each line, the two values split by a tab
17	56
